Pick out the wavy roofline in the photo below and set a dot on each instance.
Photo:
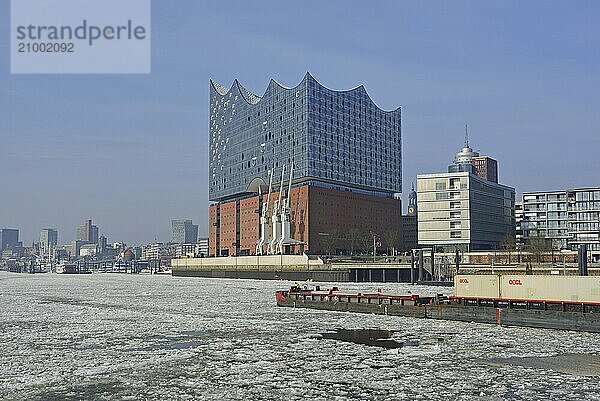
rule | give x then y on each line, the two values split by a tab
247	95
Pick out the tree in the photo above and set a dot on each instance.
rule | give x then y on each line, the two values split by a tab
329	241
509	244
390	237
354	236
365	241
538	246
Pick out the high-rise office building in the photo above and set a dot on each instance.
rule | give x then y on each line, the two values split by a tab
459	209
486	168
567	218
48	240
184	231
102	244
93	236
81	234
88	232
9	239
345	152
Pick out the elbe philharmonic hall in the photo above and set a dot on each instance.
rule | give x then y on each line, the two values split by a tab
296	167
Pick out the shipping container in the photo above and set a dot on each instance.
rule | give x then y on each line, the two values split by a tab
529	287
551	288
477	286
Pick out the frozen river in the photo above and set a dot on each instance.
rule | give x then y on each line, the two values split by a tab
123	337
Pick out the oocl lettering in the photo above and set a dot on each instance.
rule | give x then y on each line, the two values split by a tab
463	281
514	282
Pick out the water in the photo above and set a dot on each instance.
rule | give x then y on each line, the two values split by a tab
123	337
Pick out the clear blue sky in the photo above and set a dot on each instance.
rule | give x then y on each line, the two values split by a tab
130	151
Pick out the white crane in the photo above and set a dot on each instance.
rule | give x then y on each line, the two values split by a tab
286	236
276	219
264	217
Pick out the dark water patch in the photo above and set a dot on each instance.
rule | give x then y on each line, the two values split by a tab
370	337
182	340
572	364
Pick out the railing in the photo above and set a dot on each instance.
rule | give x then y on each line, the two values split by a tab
528	304
410	300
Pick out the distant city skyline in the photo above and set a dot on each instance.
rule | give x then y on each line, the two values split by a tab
130	151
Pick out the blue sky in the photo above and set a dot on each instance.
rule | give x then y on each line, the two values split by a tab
130	151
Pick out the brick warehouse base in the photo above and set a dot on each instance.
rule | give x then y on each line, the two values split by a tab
320	217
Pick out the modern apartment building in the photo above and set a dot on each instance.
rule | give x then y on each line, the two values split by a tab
202	247
340	155
567	218
459	209
520	241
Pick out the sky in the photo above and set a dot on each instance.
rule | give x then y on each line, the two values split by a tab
131	151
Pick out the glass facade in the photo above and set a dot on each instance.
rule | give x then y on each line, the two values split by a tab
336	139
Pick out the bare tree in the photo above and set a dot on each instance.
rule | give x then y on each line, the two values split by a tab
509	244
329	241
354	236
538	246
365	241
391	240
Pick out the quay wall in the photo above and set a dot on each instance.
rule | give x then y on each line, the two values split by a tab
270	267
